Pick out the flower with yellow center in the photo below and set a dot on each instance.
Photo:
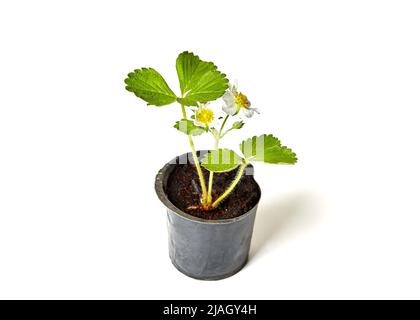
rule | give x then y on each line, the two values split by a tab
203	115
236	101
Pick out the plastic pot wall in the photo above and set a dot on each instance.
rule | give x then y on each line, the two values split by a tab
205	249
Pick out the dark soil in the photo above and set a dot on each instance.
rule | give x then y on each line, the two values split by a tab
184	192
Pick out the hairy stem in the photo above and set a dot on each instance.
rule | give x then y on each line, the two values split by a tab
216	146
223	125
209	196
196	162
232	185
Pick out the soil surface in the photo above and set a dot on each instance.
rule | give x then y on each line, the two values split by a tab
183	191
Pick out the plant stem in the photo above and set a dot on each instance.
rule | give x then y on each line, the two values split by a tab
232	185
223	125
196	162
216	146
209	195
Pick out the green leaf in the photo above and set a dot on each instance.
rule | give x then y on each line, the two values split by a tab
149	85
255	146
267	148
221	160
199	81
188	127
280	154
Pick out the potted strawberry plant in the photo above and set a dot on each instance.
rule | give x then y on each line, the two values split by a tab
210	195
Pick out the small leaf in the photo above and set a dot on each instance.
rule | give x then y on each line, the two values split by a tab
199	81
188	127
238	124
267	148
221	160
149	85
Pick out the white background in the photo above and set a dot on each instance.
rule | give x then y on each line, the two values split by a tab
338	81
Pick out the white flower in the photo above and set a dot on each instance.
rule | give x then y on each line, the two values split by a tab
236	101
203	115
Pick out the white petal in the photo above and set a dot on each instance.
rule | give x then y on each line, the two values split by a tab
199	124
255	110
248	112
230	109
228	97
234	87
201	105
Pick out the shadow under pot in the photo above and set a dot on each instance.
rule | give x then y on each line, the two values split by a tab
207	245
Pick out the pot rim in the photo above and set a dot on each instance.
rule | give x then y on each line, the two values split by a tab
163	197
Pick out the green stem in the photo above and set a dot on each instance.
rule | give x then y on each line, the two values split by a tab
209	193
196	162
216	146
184	112
223	124
232	185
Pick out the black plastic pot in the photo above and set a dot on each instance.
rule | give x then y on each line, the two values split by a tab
205	249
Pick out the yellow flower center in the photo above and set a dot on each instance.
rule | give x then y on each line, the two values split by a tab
205	116
242	101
